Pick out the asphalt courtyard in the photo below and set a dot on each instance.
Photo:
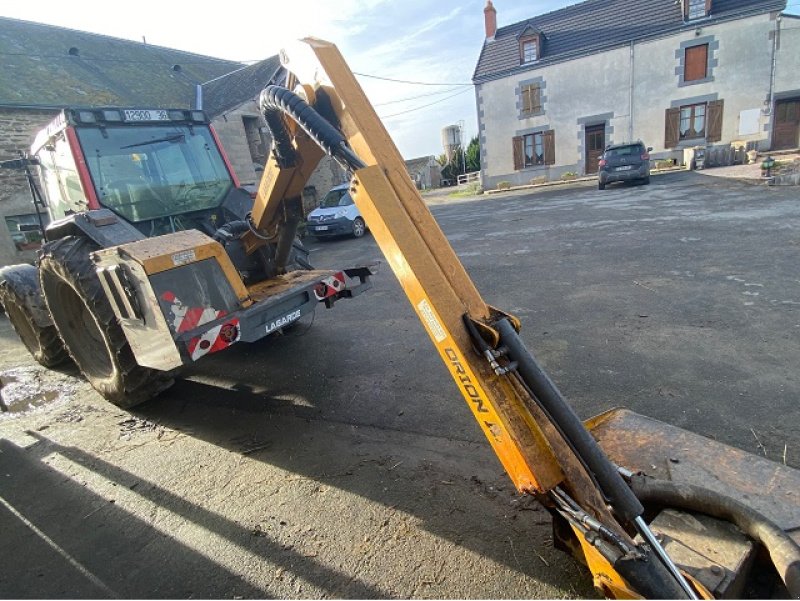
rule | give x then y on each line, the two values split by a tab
339	460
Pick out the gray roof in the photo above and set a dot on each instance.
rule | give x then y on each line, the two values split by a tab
595	25
415	165
238	87
48	66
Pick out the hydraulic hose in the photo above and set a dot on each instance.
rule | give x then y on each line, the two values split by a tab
277	99
613	487
783	551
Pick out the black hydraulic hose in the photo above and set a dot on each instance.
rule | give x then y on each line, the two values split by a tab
330	139
605	473
231	231
784	552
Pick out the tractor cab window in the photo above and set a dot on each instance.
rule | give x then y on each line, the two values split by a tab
146	173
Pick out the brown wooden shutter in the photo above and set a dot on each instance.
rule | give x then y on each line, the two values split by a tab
672	127
536	99
549	138
695	63
519	161
714	123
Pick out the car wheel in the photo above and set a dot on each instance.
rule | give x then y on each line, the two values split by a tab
359	227
601	186
646	181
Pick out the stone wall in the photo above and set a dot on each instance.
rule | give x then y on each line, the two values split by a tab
17	128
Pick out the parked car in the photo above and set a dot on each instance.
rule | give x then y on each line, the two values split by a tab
623	163
336	215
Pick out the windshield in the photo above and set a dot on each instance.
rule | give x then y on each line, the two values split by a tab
156	171
336	198
624	151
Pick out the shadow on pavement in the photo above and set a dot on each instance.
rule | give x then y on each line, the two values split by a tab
63	552
481	513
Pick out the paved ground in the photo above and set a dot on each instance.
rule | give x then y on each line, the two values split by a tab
339	460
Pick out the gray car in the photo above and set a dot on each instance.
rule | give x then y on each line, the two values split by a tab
623	163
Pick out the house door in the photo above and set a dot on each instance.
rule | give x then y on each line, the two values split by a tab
595	143
787	124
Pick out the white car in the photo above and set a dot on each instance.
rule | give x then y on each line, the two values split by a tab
337	215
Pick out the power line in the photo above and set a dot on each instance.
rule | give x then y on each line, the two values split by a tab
418	83
424	105
414	97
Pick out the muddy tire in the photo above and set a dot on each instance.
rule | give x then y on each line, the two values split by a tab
87	325
40	338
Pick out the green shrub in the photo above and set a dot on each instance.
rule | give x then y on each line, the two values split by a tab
503	185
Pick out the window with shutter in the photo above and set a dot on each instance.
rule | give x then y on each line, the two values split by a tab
534	149
695	63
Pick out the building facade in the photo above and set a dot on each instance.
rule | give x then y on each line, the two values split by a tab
553	91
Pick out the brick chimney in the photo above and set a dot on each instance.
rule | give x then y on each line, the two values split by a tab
490	19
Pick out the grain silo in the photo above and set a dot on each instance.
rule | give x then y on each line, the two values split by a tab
451	140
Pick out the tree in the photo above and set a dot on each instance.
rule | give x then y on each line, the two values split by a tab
454	167
474	155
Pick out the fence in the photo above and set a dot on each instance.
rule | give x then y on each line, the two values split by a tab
468	178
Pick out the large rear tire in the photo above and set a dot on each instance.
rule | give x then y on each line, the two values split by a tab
42	341
87	325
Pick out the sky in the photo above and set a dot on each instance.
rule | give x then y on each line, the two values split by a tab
410	40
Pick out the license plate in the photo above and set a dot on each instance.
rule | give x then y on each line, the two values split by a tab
321	228
145	115
624	167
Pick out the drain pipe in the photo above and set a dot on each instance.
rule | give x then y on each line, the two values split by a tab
630	97
770	109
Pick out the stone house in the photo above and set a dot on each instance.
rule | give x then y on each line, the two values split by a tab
554	90
46	68
425	172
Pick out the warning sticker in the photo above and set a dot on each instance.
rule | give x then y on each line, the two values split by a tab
427	314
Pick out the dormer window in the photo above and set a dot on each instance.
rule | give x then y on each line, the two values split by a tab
530	41
696	9
529	49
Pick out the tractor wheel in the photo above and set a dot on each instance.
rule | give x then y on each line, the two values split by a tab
38	334
87	325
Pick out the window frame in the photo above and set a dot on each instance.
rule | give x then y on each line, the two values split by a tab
697	9
536	141
696	77
532	40
691	118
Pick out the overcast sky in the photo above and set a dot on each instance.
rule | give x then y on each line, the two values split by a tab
412	40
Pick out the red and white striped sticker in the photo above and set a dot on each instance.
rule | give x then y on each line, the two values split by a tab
216	339
330	286
188	318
